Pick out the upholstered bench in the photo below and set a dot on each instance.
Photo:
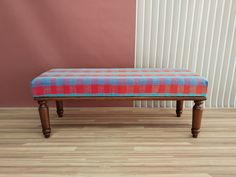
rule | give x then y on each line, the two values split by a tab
119	83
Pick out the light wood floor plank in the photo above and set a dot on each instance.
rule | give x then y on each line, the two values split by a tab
117	142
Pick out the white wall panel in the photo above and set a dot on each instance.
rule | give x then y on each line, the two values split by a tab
193	34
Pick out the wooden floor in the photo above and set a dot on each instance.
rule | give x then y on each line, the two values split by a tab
127	142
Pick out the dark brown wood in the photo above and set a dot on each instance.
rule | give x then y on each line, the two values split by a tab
60	110
179	107
122	98
44	117
197	118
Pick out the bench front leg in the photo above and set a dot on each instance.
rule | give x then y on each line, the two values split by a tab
44	117
197	118
179	107
60	111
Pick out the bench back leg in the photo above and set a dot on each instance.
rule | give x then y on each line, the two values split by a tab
44	117
197	118
179	107
60	111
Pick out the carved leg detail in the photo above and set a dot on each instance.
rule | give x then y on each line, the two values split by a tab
44	117
60	110
196	118
179	107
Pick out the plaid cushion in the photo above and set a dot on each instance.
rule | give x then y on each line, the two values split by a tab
119	82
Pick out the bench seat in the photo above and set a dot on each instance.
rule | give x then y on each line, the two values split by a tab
119	84
115	82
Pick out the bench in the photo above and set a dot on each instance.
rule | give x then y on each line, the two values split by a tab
119	84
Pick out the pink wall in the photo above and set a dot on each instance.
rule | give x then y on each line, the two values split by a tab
38	35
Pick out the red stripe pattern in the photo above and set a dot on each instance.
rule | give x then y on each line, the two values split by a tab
119	82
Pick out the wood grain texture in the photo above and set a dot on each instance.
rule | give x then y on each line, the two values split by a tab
117	142
133	98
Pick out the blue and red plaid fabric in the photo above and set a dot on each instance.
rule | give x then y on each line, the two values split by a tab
119	82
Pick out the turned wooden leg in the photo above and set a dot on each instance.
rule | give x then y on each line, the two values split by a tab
196	118
179	107
60	110
44	117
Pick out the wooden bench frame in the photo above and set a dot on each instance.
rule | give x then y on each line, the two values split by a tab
196	114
